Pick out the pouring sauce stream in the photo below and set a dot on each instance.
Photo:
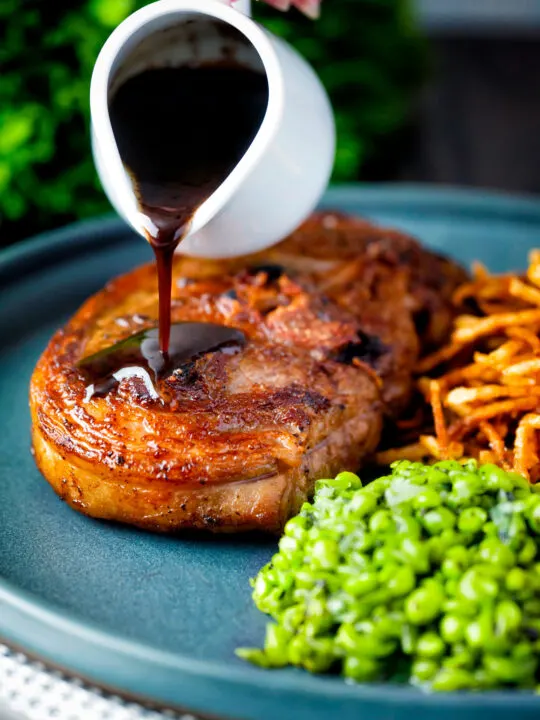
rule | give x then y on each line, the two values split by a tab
180	133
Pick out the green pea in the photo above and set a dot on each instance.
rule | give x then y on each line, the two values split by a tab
400	467
426	499
464	490
460	607
416	553
361	668
480	633
476	587
365	542
483	679
472	519
451	569
359	560
494	551
449	679
297	526
423	669
408	526
401	582
508	617
378	487
453	468
505	669
325	554
437	520
435	476
288	546
451	588
461	658
297	650
390	625
381	522
320	657
440	544
254	656
318	618
496	572
347	480
516	580
382	556
281	563
304	579
495	478
293	617
275	645
518	481
491	530
452	629
527	552
409	638
362	504
361	645
362	583
430	645
423	605
459	554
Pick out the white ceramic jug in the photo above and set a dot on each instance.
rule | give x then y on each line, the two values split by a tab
285	170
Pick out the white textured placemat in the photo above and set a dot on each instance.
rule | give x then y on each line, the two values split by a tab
30	691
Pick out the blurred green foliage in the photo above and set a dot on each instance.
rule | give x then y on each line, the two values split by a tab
368	53
372	59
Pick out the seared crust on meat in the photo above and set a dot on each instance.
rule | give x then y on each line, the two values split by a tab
335	317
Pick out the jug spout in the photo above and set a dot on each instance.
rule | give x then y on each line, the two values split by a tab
277	177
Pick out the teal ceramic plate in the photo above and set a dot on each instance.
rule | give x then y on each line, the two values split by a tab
160	617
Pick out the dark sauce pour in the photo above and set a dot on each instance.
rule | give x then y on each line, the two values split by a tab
140	355
180	132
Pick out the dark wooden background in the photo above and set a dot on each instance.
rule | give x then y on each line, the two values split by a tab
478	123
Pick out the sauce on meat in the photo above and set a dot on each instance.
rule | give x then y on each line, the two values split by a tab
140	355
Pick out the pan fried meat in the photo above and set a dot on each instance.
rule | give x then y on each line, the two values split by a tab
335	318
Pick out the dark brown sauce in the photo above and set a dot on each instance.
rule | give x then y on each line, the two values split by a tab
140	355
180	132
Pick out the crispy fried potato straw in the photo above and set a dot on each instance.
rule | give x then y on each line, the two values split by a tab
483	387
496	443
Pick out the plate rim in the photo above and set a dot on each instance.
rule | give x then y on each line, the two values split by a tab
395	195
130	663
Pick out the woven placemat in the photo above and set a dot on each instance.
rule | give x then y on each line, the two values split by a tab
30	691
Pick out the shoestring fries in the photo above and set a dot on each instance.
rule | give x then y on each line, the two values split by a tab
483	387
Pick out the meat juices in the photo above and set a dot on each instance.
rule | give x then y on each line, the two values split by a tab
180	132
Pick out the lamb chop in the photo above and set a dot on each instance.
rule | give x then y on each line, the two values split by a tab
334	320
